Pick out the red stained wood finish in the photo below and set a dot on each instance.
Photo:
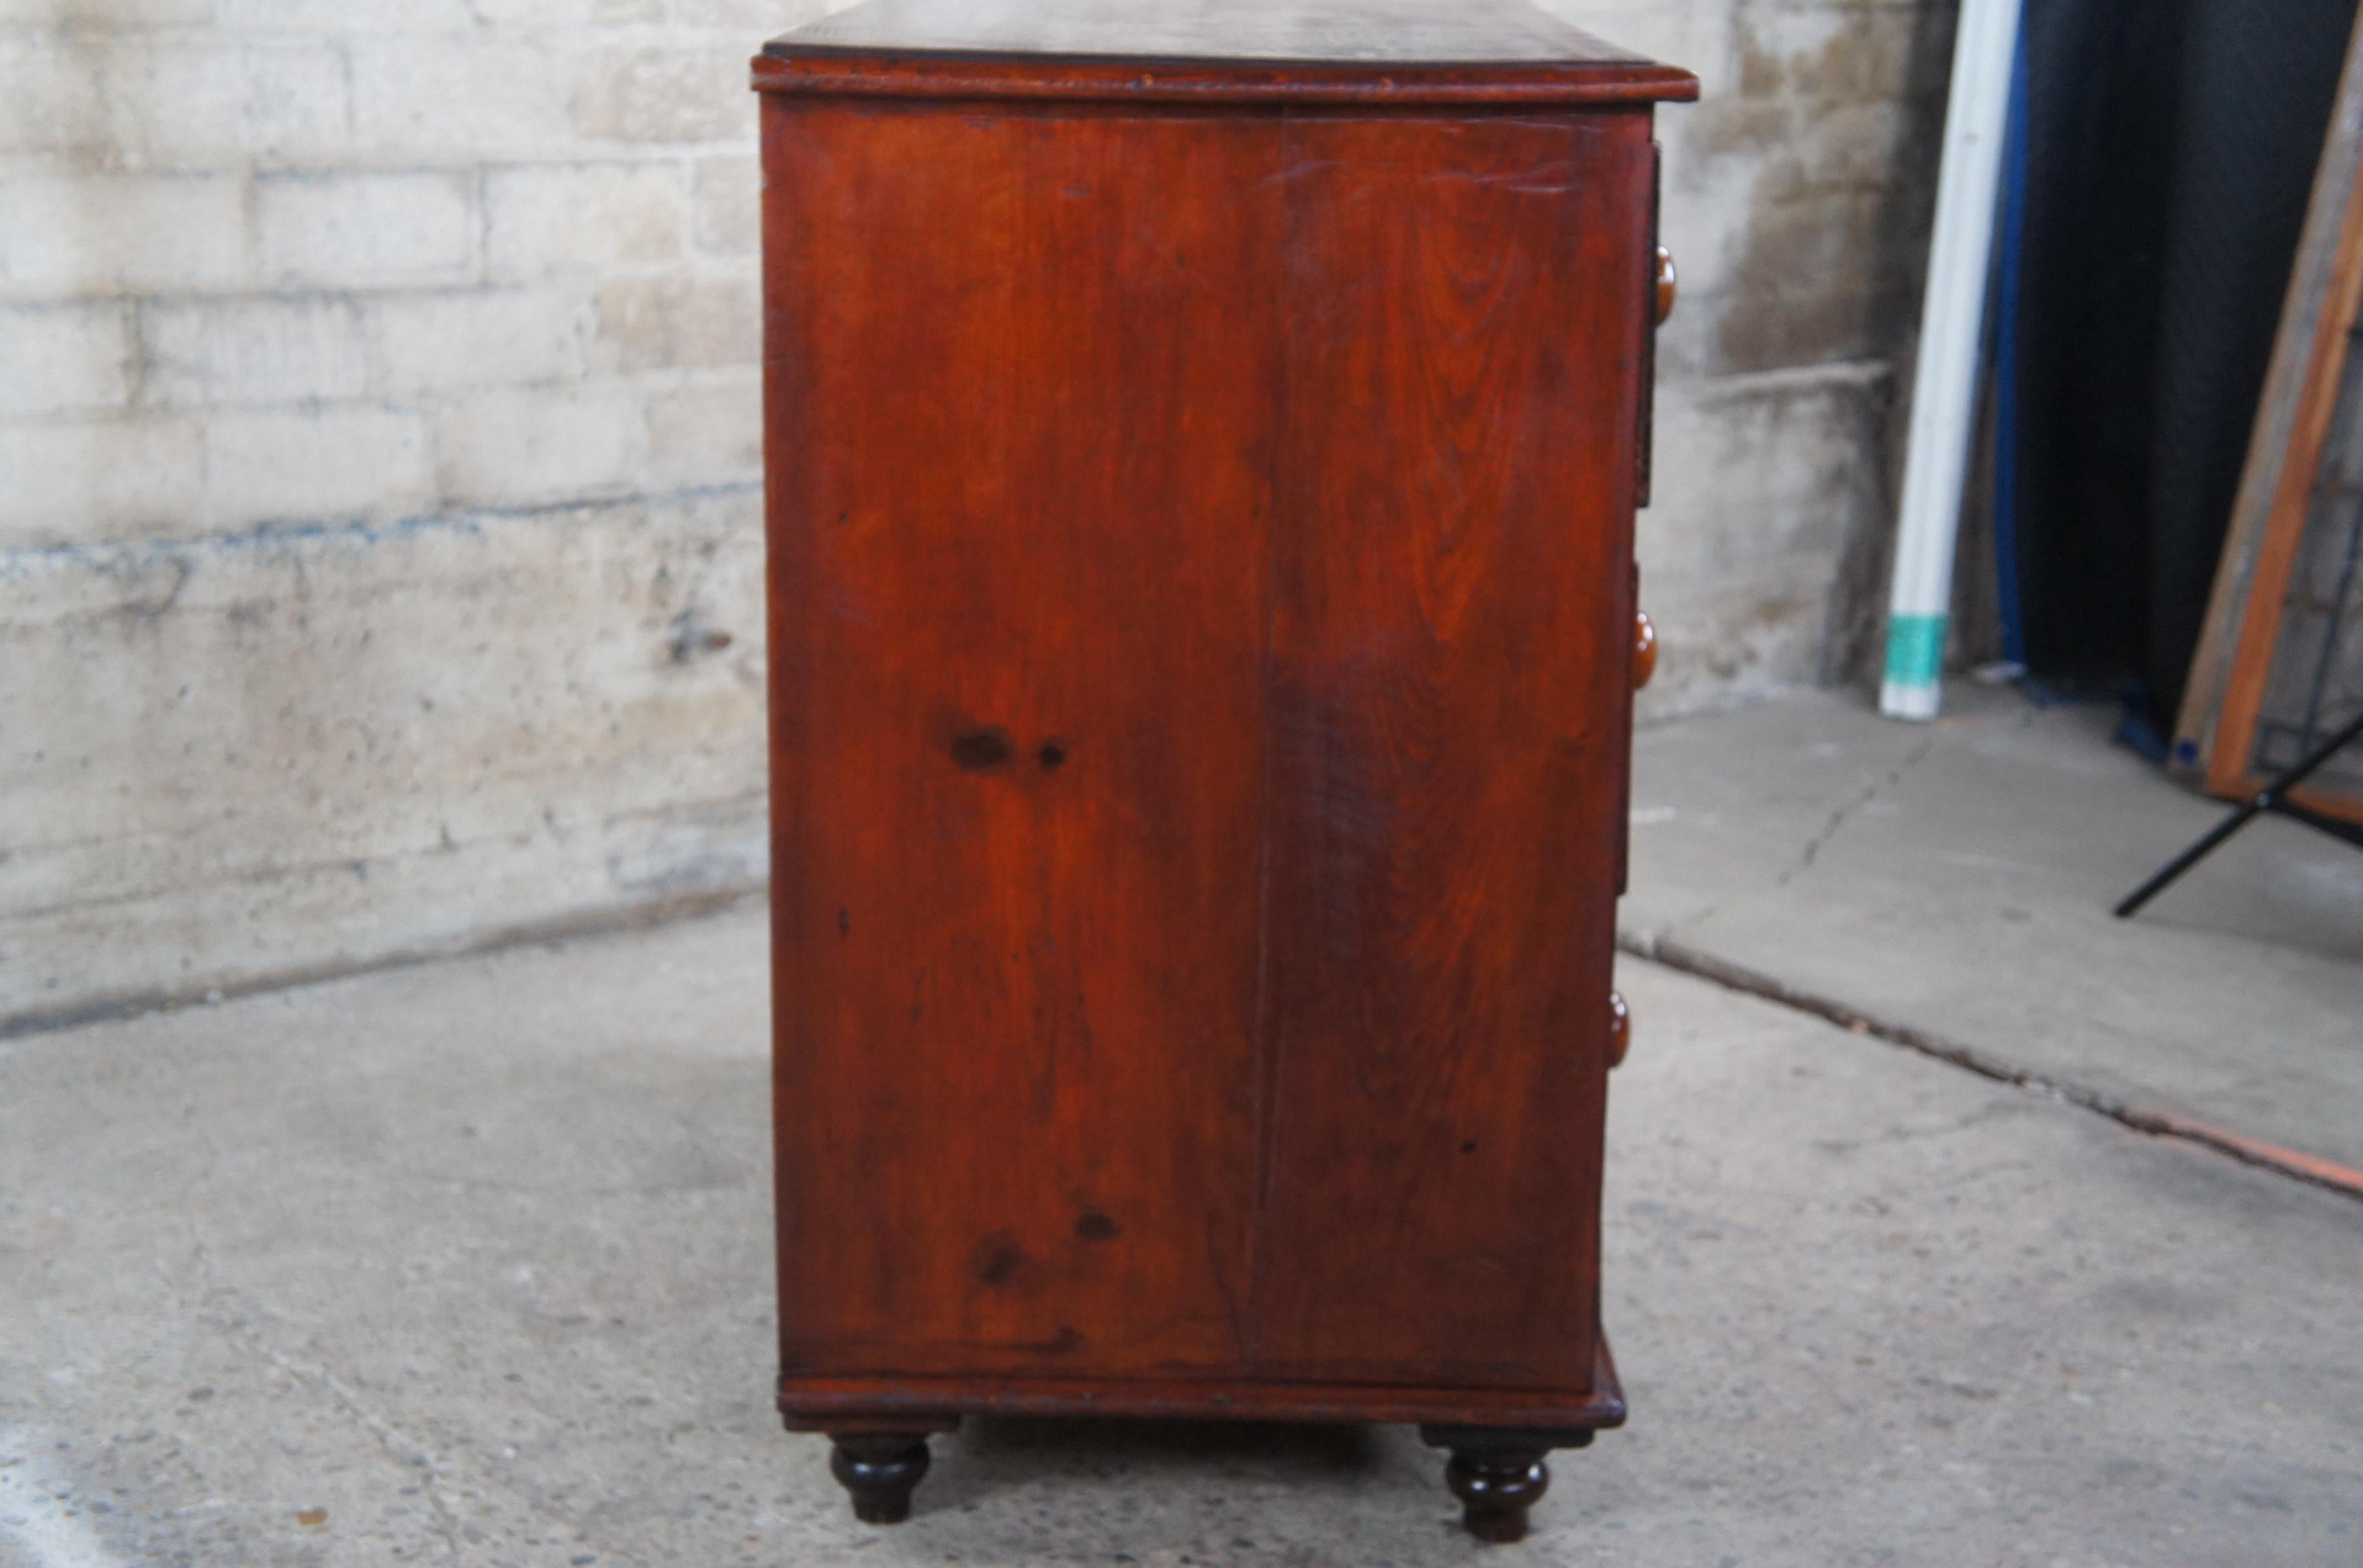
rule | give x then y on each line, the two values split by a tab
1200	513
1025	373
1448	704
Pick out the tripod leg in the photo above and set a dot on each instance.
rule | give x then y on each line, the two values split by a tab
2268	800
2198	852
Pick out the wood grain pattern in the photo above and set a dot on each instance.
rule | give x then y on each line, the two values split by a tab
1019	548
1451	693
1202	647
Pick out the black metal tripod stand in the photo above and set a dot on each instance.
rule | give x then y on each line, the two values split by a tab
2273	797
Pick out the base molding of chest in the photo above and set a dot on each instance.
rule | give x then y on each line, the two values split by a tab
813	1403
1499	1439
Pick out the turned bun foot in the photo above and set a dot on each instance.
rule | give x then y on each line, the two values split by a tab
878	1469
1498	1474
1496	1488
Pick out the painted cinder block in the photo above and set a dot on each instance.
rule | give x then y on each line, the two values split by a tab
584	217
65	358
363	229
271	348
644	95
54	102
175	103
306	466
753	19
105	15
64	234
348	18
725	215
524	446
650	323
73	481
708	432
462	99
494	19
450	339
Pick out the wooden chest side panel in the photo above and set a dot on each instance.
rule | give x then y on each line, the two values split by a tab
1451	692
1022	372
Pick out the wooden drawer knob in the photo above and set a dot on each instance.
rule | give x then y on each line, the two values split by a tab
1620	1029
1645	650
1666	284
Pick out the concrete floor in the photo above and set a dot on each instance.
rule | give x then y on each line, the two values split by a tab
470	1264
1955	881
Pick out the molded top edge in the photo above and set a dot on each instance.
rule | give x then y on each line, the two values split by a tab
1443	51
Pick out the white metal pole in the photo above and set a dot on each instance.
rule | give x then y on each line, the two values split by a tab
1944	394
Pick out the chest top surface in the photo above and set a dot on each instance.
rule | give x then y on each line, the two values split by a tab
1401	31
1405	48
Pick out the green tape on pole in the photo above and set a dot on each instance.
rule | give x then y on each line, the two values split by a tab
1915	649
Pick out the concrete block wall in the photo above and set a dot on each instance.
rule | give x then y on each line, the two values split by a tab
379	526
378	535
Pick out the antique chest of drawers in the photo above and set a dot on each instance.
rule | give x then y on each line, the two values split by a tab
1202	447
